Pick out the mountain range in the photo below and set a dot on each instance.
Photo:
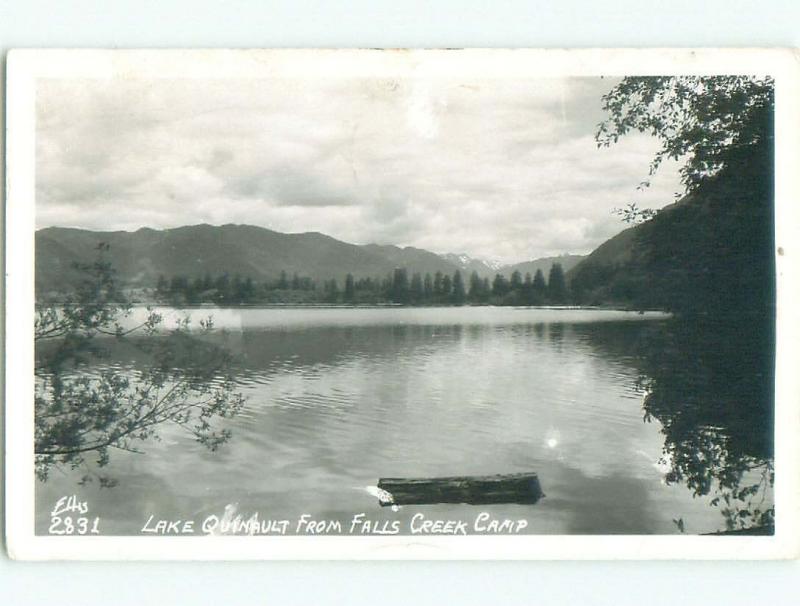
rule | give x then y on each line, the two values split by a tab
140	257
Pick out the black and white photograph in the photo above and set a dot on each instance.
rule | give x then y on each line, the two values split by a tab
402	298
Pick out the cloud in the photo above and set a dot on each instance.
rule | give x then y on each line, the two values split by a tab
500	169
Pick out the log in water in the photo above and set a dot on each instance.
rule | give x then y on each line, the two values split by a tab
521	488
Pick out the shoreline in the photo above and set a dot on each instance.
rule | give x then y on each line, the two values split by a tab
139	304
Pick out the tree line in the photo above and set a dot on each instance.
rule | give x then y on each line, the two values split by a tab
398	287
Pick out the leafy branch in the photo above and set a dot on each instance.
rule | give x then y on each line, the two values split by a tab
83	409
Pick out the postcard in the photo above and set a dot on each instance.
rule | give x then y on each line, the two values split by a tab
402	304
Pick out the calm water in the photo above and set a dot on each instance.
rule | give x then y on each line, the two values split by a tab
613	410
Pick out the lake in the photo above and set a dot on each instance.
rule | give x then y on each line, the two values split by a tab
634	423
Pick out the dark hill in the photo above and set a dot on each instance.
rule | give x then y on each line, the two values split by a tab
141	256
712	252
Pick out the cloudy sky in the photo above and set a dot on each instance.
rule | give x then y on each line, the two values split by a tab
500	169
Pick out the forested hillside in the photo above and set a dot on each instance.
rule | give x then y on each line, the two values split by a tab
712	252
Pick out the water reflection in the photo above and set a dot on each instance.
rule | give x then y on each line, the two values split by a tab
333	405
710	385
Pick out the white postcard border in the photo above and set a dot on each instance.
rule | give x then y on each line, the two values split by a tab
26	66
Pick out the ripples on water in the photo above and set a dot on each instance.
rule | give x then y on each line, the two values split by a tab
337	398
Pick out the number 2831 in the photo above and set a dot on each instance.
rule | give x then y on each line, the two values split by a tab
70	525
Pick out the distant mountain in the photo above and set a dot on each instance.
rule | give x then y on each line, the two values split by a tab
489	268
467	264
414	259
140	257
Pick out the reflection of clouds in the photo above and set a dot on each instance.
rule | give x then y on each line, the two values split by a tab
612	503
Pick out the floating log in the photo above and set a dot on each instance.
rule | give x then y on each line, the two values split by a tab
521	488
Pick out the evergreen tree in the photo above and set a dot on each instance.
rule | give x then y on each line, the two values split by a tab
516	280
427	287
366	284
349	288
248	290
416	288
556	284
223	285
400	286
539	288
458	288
236	289
283	281
499	285
437	284
447	287
475	287
527	289
385	287
333	291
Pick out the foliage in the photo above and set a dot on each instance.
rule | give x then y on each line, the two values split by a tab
84	409
710	257
556	284
710	385
633	214
396	288
539	285
705	121
712	252
349	288
459	294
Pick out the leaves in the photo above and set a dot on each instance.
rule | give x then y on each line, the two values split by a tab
708	257
633	214
704	121
714	418
82	413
